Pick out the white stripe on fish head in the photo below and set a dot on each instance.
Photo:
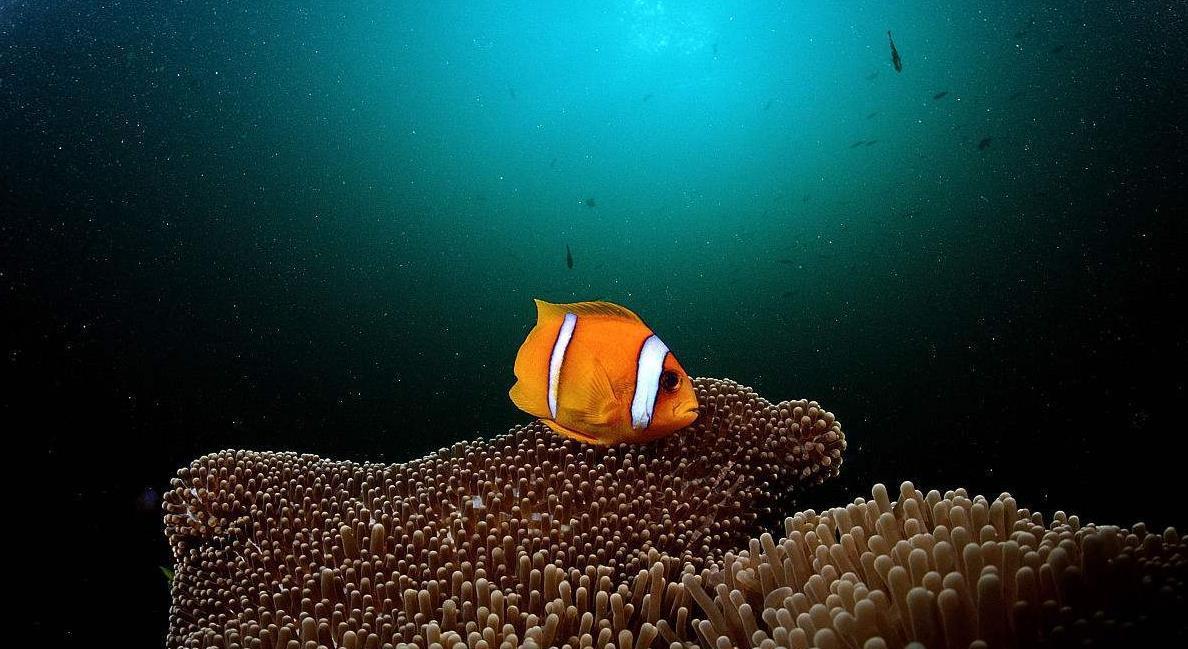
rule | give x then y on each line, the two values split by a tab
647	381
563	337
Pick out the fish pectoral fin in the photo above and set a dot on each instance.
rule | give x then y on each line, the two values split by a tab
572	434
593	401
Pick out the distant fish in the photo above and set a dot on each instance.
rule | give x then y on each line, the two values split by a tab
595	373
872	76
940	95
786	261
1015	95
768	104
789	293
872	115
871	142
985	143
894	54
1056	50
857	144
553	164
568	257
591	203
511	92
715	48
647	97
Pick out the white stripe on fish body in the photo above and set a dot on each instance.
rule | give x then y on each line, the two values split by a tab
563	337
647	381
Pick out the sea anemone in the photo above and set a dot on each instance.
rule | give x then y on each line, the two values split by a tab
527	538
533	540
947	572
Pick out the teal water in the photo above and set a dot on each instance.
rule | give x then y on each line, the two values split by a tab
320	228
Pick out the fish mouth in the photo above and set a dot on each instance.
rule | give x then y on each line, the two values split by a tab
688	411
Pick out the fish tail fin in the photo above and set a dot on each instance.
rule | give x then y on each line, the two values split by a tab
522	396
531	390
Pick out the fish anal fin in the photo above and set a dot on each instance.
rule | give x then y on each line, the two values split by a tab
572	434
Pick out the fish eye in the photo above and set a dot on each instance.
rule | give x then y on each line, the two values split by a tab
670	380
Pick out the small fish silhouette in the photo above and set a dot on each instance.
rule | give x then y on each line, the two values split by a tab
591	203
894	54
940	95
857	144
985	143
568	257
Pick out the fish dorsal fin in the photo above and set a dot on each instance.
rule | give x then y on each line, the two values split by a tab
599	309
592	401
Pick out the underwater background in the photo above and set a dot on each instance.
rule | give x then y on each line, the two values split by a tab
319	227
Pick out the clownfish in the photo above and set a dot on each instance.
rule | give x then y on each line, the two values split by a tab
594	372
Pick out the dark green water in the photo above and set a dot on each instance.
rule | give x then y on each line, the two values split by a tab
321	227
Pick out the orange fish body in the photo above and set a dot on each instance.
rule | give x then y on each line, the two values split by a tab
594	372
